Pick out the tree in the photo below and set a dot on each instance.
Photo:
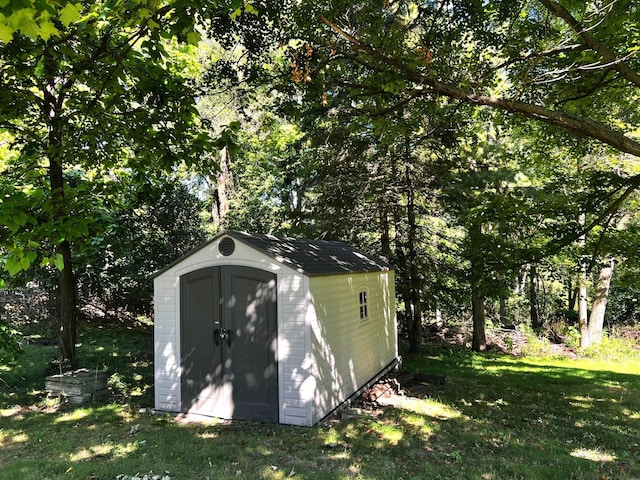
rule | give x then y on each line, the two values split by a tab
87	89
530	58
151	222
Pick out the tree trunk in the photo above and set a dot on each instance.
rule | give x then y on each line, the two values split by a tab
479	343
596	319
438	314
534	313
504	319
415	284
68	309
66	278
583	320
222	190
385	239
572	295
53	101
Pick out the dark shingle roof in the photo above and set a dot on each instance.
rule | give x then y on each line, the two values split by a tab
311	257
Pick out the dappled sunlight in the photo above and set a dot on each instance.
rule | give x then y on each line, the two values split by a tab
273	472
84	454
74	416
124	450
429	407
391	434
7	439
594	455
10	412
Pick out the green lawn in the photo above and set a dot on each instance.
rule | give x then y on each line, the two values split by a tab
495	417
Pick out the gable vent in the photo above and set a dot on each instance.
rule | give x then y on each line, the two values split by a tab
227	246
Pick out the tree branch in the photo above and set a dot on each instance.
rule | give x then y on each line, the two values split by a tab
573	123
618	64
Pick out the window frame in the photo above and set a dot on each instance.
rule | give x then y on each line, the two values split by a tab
363	303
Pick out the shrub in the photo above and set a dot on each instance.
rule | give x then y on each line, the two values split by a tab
10	347
536	346
615	347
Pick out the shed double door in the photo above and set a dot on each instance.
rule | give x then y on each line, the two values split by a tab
228	343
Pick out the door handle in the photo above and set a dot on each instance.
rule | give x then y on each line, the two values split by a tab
221	334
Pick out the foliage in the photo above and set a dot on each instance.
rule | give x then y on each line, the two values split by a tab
615	347
152	222
10	347
88	88
374	106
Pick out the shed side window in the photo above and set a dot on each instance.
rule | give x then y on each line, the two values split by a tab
364	307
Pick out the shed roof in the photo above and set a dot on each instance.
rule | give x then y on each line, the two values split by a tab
311	257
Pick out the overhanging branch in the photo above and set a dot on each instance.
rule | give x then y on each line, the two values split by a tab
573	123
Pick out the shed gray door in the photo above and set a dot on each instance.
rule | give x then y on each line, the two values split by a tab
229	331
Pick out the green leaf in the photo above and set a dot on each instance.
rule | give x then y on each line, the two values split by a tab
47	29
251	9
30	29
6	33
31	256
59	262
12	265
193	38
69	14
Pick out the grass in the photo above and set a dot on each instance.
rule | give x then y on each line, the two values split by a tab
496	417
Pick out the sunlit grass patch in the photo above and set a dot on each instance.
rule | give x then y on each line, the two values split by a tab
74	415
427	406
594	455
9	438
87	453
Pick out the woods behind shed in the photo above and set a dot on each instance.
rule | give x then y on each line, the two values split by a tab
267	328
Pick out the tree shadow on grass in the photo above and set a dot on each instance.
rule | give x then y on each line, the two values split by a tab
444	438
492	419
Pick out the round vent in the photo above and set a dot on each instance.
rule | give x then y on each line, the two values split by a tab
227	246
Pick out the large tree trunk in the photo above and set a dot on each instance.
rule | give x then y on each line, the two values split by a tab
68	309
596	319
67	296
534	312
479	343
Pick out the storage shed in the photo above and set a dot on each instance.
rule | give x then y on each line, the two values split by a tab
266	328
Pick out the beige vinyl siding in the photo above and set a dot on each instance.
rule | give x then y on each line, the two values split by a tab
348	351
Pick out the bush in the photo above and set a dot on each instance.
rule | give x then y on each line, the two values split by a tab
536	346
615	347
10	347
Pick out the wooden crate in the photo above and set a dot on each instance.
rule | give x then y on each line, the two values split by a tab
78	386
